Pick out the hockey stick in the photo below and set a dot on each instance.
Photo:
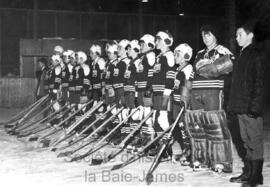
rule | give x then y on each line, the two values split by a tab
142	151
89	126
149	175
75	124
125	141
46	126
94	132
26	125
98	145
22	113
86	115
17	123
53	117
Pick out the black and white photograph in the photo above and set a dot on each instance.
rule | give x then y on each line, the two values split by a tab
135	93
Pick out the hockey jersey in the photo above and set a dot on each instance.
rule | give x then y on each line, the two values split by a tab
181	76
130	76
97	68
55	80
145	71
164	73
119	71
65	76
108	74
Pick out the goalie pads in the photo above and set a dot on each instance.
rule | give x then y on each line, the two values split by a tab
218	139
194	124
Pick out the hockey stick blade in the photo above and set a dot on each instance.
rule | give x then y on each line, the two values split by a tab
64	154
149	178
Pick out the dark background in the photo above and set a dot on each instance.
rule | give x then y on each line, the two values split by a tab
117	19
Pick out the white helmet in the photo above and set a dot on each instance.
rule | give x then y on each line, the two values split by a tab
149	40
56	58
68	53
96	49
112	48
123	43
82	55
185	49
134	44
58	49
166	37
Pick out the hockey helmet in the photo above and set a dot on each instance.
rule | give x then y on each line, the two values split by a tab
134	44
185	49
166	37
82	57
58	49
95	48
148	39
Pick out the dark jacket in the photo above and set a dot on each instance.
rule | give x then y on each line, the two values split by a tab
40	89
247	88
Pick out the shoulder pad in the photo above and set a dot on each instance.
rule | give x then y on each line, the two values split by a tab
126	60
86	69
151	58
70	68
170	58
101	63
57	70
188	71
137	62
223	50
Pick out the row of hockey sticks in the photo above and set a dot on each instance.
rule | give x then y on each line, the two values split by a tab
32	121
46	139
50	128
45	124
143	151
27	114
42	124
48	118
79	135
92	133
69	132
106	122
124	143
58	127
100	144
23	112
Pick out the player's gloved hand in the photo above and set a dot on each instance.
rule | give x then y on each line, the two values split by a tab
148	93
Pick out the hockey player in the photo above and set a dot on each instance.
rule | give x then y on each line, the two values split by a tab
163	81
111	50
73	70
211	65
55	80
55	85
118	74
163	78
181	98
66	74
97	67
133	50
83	82
109	70
144	80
